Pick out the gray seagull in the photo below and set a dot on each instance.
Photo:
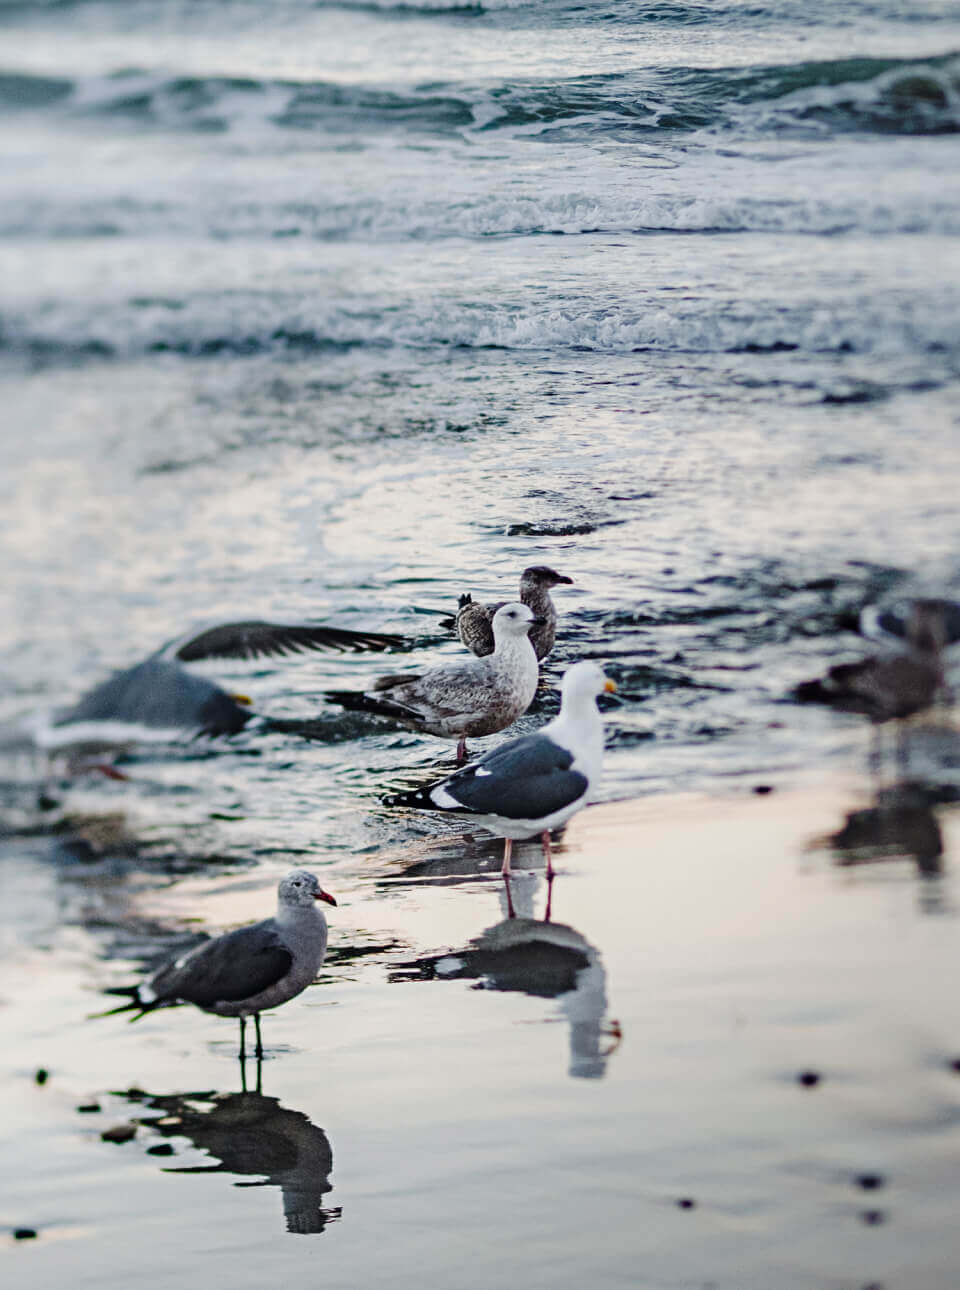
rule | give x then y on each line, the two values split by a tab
244	972
160	698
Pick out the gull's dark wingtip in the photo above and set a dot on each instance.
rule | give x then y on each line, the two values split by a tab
411	797
133	1003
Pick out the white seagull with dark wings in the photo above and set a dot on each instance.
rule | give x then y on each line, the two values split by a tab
535	783
247	971
159	698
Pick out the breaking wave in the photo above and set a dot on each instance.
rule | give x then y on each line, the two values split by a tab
862	95
246	323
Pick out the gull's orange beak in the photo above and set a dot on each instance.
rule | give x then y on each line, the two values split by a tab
325	896
242	698
610	686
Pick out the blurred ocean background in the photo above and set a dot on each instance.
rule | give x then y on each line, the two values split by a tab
340	310
320	311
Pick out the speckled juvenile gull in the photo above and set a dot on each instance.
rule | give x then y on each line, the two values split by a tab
474	621
535	783
461	700
159	697
244	972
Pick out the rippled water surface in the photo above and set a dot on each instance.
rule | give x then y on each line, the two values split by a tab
337	311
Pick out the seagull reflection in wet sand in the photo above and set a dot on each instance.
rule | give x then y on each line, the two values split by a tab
899	824
249	1134
543	959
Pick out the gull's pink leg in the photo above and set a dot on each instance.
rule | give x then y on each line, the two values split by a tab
546	916
548	853
507	852
511	912
462	748
615	1034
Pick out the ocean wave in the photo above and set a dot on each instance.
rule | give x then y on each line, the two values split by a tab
864	95
485	215
243	323
621	13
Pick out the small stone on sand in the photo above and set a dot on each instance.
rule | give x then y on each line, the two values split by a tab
119	1133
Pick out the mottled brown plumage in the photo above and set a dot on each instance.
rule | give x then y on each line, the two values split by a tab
474	621
465	698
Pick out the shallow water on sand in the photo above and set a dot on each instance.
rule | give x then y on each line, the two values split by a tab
747	1080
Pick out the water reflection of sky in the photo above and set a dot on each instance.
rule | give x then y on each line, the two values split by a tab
732	960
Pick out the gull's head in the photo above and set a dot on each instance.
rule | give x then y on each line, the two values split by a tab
585	682
542	577
514	620
300	887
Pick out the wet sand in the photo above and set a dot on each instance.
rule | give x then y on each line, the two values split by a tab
452	1105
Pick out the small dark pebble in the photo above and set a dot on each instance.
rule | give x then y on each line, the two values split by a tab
685	1202
41	1076
955	1065
762	789
870	1182
87	1108
119	1133
161	1149
24	1233
809	1079
873	1217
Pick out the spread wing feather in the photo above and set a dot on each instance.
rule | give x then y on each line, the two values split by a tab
266	640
